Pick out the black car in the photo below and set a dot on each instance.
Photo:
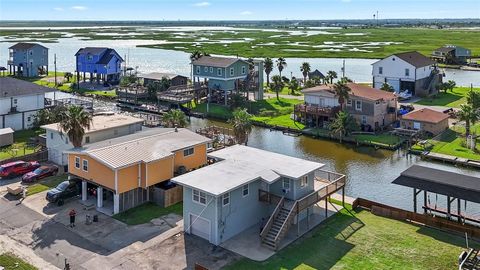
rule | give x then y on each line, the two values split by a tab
64	190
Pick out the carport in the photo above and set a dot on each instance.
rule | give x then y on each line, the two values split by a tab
96	195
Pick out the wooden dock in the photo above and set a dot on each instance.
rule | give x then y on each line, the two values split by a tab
451	159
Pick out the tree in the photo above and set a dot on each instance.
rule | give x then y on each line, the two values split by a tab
152	89
450	85
242	125
473	99
387	87
68	76
74	121
251	74
331	75
343	124
48	116
277	85
305	69
342	92
195	55
268	67
174	118
468	114
293	85
281	65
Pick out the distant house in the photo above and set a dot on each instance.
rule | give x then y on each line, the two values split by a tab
174	79
103	127
410	71
427	120
19	102
316	74
28	59
229	199
372	108
102	64
226	75
451	54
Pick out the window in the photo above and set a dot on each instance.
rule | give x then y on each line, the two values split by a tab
205	69
226	199
407	72
349	102
51	135
199	197
188	152
87	139
77	162
44	52
198	70
377	102
219	71
15	101
85	165
380	70
304	181
286	184
364	119
358	105
245	190
89	57
66	140
211	69
232	71
30	52
29	119
244	69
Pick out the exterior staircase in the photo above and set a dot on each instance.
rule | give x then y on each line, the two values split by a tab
276	227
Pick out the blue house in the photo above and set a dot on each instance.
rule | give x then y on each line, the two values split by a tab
249	192
28	59
226	75
102	64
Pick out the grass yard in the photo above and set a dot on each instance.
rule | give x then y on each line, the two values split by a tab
12	262
215	110
283	121
285	90
20	146
46	184
449	99
360	240
146	212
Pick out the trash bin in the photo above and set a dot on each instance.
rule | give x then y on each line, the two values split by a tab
95	218
88	219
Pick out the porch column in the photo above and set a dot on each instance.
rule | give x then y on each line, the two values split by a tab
414	200
425	202
116	203
99	197
225	92
84	190
459	211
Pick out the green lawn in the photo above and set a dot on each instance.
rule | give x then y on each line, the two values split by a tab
285	90
282	121
46	184
360	240
450	99
20	146
12	262
215	110
146	212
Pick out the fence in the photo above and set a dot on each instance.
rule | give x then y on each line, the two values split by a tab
167	197
431	221
41	155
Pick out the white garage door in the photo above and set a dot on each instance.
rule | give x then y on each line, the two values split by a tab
395	83
200	226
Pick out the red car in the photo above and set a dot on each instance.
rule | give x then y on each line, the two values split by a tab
39	173
16	168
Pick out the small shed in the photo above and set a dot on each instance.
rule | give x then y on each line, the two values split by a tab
6	137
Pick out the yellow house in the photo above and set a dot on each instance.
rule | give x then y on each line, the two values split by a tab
121	172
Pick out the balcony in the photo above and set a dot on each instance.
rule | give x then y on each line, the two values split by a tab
316	110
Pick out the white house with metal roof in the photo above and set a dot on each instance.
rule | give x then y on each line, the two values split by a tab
248	187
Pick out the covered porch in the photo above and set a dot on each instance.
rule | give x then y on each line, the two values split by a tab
103	199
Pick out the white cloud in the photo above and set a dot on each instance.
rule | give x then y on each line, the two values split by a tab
58	9
246	13
202	4
79	8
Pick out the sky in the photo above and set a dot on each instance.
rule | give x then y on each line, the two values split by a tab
173	10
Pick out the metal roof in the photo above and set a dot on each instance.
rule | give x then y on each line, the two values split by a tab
145	146
240	165
103	122
159	75
446	183
213	61
26	46
11	87
415	58
4	131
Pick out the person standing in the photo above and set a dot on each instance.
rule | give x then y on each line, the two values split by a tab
72	215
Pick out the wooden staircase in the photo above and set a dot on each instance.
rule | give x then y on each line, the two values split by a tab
275	228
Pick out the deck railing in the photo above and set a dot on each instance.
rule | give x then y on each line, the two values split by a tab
312	109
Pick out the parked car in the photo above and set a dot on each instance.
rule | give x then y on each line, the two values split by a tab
64	190
39	173
16	168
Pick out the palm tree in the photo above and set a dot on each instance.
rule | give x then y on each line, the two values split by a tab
268	67
342	92
68	76
468	114
74	121
387	87
174	118
281	65
343	124
251	74
331	75
305	69
473	99
277	84
293	85
195	55
242	125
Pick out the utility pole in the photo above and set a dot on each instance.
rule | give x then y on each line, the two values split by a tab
55	72
377	18
343	69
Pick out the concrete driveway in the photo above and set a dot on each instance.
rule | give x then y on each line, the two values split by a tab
108	244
